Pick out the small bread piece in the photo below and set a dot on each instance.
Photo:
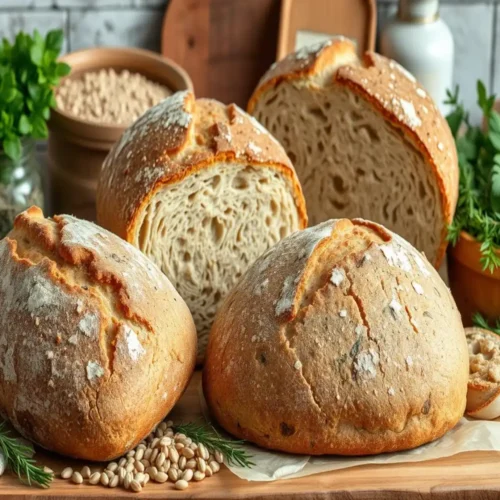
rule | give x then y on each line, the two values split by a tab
366	141
341	339
96	346
203	190
483	393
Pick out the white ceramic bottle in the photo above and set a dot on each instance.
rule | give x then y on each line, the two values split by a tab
421	42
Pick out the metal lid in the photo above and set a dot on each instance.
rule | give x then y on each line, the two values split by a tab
418	11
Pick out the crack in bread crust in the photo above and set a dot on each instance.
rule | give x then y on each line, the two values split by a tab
85	315
327	361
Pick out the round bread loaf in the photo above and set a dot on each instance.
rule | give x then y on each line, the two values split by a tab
96	345
483	394
203	190
366	140
341	339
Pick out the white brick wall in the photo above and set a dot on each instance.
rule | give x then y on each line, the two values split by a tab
474	23
136	27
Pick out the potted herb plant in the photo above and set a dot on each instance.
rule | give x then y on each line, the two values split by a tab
474	257
28	73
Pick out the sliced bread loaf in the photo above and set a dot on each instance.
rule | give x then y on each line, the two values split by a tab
483	395
202	189
366	141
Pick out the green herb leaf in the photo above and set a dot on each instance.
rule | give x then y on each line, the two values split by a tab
213	441
480	321
18	457
62	69
54	41
37	47
39	127
29	71
495	188
24	125
478	207
12	147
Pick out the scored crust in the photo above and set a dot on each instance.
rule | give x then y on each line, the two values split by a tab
389	89
175	139
96	346
203	190
333	343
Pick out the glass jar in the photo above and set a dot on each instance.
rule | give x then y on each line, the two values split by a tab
20	185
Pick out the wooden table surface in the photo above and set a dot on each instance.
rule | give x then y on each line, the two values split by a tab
466	476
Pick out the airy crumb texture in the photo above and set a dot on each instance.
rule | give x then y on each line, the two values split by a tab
203	190
96	345
325	346
484	355
366	141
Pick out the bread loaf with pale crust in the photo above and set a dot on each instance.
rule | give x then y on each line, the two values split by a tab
366	140
96	345
341	339
203	190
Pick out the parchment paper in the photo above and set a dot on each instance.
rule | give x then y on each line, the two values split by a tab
468	435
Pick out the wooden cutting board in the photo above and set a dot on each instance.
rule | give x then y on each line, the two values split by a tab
224	45
466	476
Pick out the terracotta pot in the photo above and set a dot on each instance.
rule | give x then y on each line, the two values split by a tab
474	290
78	147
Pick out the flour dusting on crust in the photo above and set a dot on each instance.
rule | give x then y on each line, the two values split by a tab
306	240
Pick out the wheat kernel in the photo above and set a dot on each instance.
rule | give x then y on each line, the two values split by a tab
85	472
95	478
187	475
173	475
67	473
160	477
215	466
76	478
135	486
199	476
181	484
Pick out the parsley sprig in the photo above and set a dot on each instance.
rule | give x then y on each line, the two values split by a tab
18	457
28	73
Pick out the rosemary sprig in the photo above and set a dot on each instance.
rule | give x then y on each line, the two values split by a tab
18	458
478	207
479	320
213	441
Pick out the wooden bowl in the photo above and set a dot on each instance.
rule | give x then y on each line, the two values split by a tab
474	289
76	147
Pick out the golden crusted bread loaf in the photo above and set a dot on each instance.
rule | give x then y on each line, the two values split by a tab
366	140
483	395
341	339
203	190
96	345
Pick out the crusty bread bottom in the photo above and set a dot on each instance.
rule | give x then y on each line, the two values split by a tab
353	163
206	230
